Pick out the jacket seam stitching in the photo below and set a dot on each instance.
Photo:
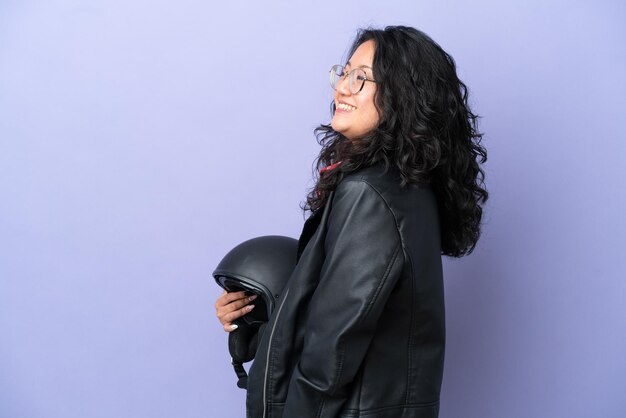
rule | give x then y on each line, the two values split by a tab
393	214
369	305
406	406
376	292
352	411
320	409
411	336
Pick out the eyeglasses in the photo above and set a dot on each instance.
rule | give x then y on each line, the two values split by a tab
356	78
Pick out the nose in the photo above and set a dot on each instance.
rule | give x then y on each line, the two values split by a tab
343	85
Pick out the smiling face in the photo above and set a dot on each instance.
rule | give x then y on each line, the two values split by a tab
355	114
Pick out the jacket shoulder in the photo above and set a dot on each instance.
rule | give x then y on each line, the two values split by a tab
387	183
413	204
379	179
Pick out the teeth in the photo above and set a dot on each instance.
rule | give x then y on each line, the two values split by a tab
345	107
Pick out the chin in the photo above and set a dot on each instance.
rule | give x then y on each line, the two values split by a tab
337	127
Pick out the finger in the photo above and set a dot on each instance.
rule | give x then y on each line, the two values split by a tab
223	309
233	296
226	316
234	310
230	327
240	303
230	317
228	297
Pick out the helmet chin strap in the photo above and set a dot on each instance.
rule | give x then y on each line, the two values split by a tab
242	344
241	374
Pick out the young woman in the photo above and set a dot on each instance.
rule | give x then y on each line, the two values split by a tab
359	330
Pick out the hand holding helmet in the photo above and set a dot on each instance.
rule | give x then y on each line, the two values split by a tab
255	269
232	305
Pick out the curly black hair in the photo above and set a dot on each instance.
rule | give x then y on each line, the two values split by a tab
427	132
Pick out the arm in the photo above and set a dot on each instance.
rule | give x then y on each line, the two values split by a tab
363	262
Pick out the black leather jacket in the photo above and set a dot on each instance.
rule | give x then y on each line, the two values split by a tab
359	330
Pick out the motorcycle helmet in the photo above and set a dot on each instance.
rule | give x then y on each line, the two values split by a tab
258	266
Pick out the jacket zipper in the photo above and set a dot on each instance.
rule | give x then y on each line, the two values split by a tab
269	351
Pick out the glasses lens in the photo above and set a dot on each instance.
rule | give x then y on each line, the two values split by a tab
357	79
336	72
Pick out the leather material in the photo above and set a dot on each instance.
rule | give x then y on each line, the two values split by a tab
359	330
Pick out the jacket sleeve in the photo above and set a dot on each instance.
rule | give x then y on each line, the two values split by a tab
363	261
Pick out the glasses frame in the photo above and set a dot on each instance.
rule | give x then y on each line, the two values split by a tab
351	75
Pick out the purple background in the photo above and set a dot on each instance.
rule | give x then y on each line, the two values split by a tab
141	140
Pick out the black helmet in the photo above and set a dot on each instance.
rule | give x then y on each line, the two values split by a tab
259	266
